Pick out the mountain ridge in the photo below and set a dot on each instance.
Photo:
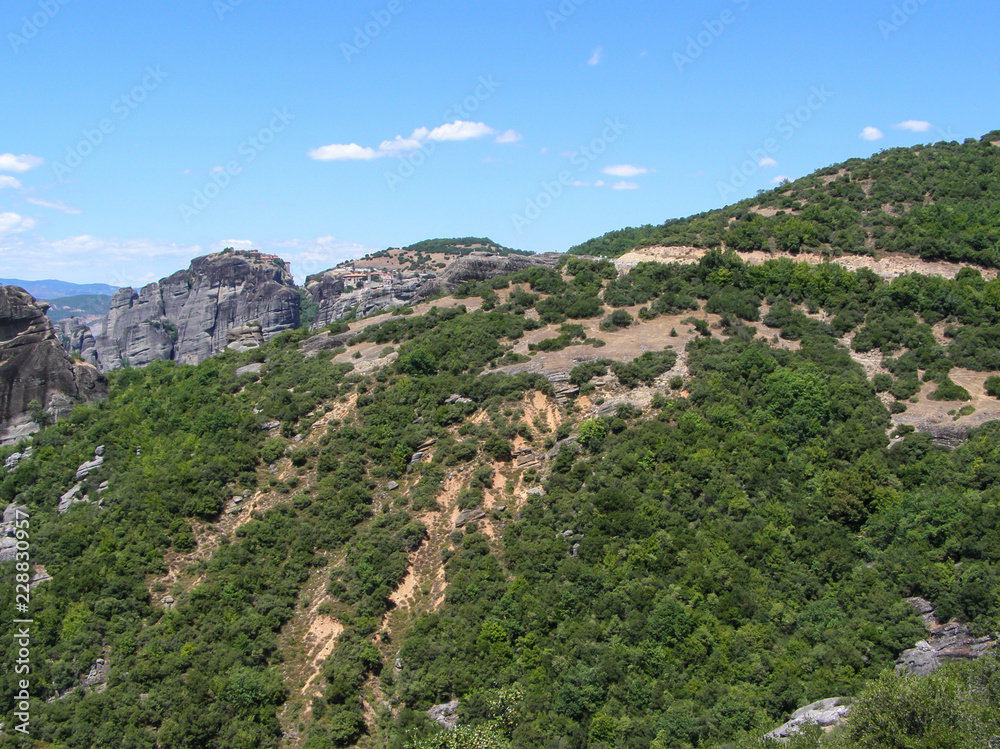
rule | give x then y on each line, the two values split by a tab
939	202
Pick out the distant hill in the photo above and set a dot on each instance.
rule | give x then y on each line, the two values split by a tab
80	305
939	202
52	289
462	246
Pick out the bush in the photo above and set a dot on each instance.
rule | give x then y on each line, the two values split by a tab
993	386
497	447
272	450
616	321
950	391
882	382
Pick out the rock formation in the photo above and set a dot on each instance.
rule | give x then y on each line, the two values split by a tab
479	267
77	338
327	290
826	714
951	641
37	377
187	316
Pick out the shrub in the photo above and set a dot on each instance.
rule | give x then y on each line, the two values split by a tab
993	386
950	391
882	382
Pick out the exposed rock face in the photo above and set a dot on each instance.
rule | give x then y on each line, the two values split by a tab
325	342
327	290
187	316
480	267
946	642
78	338
245	337
445	714
35	369
825	713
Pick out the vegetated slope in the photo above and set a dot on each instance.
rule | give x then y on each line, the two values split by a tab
938	202
432	255
53	289
81	305
733	539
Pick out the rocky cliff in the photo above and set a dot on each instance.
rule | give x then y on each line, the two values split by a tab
78	338
37	376
479	267
327	290
187	316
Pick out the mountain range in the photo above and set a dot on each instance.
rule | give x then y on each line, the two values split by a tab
676	488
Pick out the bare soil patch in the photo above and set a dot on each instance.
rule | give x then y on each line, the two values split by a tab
889	266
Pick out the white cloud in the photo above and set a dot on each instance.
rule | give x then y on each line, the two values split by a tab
55	205
872	133
766	162
11	163
6	181
349	152
625	170
135	262
915	126
780	179
460	130
12	223
595	59
509	136
622	185
316	255
400	144
236	244
128	262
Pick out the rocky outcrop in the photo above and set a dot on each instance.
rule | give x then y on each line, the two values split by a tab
327	290
245	337
38	379
445	714
187	316
480	267
826	714
945	642
77	338
8	527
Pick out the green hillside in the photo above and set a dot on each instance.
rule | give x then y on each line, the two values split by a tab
79	306
683	573
939	202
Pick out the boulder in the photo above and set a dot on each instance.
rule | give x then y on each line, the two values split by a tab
91	465
8	549
445	714
249	369
469	516
825	713
12	512
69	498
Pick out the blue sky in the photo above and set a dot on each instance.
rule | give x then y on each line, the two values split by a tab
136	136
